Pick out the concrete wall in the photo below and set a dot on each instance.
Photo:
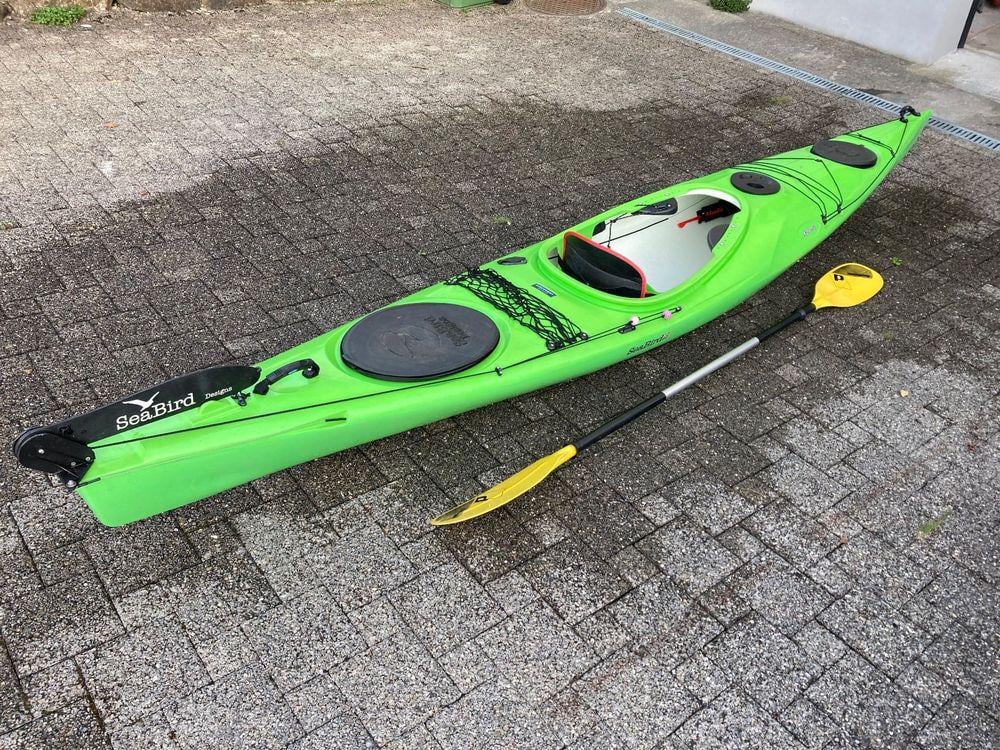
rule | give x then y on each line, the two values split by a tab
918	30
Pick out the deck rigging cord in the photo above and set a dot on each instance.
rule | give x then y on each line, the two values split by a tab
558	331
811	188
558	327
615	329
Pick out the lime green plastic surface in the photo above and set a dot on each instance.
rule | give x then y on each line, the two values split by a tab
219	445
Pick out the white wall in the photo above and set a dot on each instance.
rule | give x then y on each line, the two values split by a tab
918	30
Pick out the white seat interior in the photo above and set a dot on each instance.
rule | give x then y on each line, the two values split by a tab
667	254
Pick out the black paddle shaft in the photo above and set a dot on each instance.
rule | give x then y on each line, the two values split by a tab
619	421
651	403
795	317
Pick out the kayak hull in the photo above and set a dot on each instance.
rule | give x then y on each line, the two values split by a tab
223	443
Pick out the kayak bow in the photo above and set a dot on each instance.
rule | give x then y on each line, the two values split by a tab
621	283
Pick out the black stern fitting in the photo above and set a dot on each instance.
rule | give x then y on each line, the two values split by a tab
44	450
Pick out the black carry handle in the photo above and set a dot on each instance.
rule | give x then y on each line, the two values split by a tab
309	370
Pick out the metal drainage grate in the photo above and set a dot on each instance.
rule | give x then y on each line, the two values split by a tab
566	7
980	139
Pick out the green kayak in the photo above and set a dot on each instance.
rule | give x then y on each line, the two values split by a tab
621	283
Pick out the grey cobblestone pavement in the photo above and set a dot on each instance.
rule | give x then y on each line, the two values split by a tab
800	553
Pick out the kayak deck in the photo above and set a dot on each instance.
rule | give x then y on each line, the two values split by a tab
544	326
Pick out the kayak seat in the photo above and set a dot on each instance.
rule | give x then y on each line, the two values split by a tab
419	341
600	267
664	250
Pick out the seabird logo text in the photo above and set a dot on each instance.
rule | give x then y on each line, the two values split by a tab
148	411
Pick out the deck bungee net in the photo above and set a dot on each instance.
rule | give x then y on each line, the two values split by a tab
551	325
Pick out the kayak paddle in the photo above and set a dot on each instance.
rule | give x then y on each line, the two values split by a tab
847	285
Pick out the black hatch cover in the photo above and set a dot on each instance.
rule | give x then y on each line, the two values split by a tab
849	154
754	183
419	341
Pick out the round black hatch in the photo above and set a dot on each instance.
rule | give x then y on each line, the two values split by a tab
418	341
754	183
849	154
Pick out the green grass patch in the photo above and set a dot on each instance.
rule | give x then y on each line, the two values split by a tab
57	15
929	527
731	6
896	260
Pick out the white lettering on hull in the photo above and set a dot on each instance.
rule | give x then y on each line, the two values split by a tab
153	411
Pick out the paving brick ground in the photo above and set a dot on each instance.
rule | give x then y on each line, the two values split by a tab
791	555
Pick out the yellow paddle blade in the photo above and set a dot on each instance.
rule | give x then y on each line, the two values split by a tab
847	285
509	489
